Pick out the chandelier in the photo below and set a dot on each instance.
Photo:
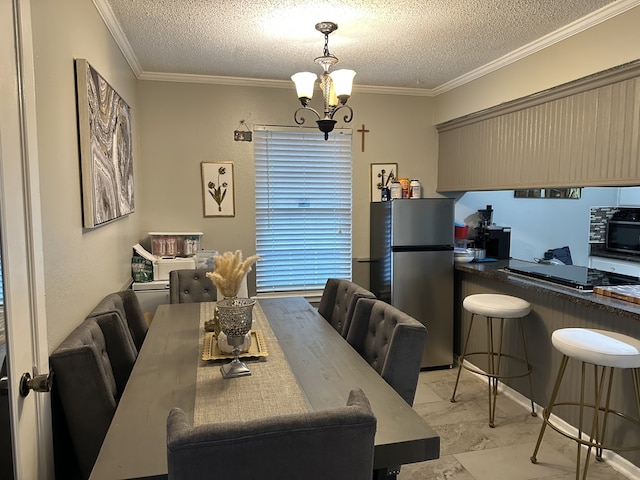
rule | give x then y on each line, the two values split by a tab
336	86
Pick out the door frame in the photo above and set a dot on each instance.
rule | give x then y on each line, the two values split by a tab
22	245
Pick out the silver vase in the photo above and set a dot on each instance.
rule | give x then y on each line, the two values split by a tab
236	317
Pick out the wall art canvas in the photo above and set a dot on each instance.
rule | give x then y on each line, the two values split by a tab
382	174
218	194
106	152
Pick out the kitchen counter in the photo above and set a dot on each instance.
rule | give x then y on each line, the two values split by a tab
495	271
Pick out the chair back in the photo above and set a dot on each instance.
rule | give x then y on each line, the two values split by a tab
391	341
122	354
332	444
127	306
190	286
86	388
338	303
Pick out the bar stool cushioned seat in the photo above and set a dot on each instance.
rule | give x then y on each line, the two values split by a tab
605	351
496	307
599	347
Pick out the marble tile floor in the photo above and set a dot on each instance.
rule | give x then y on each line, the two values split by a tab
471	450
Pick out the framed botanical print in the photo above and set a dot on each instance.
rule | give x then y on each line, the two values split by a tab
382	175
218	195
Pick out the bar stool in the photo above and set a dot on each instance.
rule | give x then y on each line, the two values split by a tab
606	351
495	307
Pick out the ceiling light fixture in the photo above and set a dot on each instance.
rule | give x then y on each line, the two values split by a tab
336	86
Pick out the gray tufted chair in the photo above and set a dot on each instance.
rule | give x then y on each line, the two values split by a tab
122	354
87	390
189	286
334	444
391	341
338	303
127	306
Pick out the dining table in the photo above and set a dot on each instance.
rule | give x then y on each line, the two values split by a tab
302	364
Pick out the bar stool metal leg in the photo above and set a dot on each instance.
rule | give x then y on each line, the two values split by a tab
605	352
526	359
461	359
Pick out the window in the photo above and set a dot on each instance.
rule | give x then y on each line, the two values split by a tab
303	208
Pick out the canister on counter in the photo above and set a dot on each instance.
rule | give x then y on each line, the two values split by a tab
416	189
385	194
406	187
396	190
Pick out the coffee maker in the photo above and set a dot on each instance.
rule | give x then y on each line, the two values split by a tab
495	240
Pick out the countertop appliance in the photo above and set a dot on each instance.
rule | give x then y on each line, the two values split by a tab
574	276
412	267
623	231
494	239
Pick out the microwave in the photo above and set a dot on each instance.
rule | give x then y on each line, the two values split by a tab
623	233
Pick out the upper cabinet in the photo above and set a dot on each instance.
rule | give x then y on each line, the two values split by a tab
584	133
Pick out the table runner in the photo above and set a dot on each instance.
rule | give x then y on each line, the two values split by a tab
270	390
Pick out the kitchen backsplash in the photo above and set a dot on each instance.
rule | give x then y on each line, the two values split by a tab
598	223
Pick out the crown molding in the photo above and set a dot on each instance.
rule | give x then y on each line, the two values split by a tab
595	18
104	9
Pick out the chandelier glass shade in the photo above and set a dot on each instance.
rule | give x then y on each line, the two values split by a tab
335	86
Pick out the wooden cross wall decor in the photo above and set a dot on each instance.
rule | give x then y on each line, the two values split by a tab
363	131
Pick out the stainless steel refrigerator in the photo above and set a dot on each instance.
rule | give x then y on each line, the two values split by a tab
412	267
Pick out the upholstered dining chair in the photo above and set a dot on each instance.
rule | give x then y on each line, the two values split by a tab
127	306
189	286
87	390
334	444
338	302
391	341
122	354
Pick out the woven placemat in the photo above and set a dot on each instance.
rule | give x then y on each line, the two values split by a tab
270	390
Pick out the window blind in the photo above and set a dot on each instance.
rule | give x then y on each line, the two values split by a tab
303	208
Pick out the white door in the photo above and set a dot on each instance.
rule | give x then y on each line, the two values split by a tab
21	244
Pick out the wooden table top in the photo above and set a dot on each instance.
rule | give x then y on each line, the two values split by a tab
324	364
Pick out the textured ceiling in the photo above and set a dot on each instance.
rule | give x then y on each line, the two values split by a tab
426	44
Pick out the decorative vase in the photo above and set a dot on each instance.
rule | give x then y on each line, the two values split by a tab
235	316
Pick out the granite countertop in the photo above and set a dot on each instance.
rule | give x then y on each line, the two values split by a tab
495	271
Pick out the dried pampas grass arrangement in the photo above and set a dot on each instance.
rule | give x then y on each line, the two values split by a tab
229	271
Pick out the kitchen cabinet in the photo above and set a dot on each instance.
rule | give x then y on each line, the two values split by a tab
622	267
580	134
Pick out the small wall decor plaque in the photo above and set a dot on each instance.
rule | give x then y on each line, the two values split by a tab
218	195
243	135
106	153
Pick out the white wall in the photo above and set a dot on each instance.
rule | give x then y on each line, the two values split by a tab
606	45
538	224
184	124
81	266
